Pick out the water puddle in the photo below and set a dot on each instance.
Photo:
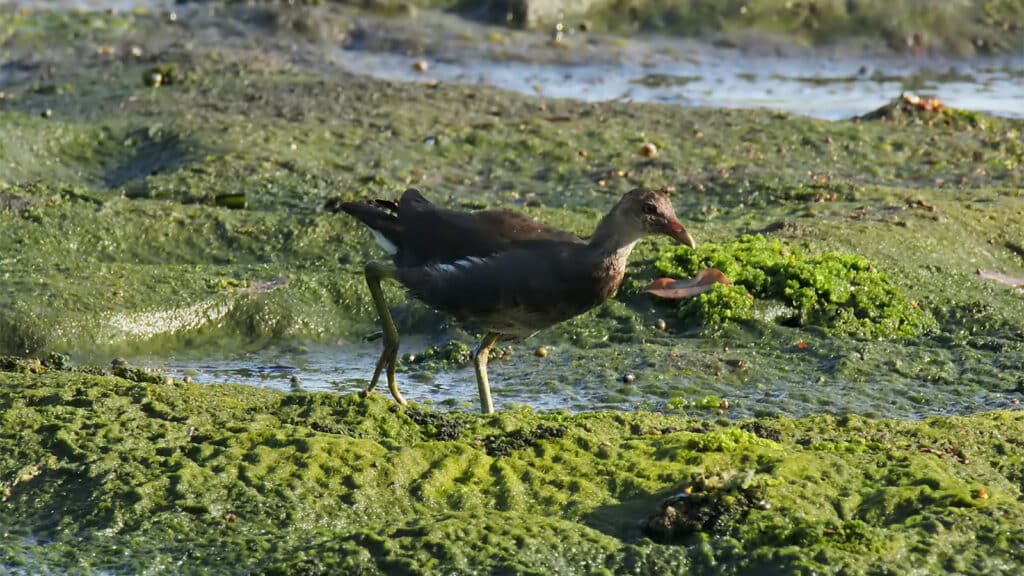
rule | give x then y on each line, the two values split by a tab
819	87
579	381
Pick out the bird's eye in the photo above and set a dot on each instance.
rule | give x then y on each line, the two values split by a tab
650	208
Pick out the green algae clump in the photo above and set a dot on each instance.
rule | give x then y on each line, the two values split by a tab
720	305
843	292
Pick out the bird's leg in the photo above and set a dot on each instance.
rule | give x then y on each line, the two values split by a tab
375	272
480	363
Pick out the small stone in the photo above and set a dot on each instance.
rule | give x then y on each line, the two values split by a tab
187	379
660	324
294	380
541	352
724	404
46	113
648	150
230	517
628	378
420	66
135	51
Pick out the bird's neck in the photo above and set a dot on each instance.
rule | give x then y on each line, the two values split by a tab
610	246
612	239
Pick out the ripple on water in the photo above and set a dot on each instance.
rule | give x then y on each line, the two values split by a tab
587	380
822	87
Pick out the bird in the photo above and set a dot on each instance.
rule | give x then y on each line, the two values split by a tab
498	271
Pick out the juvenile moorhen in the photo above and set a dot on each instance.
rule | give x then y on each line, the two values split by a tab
499	271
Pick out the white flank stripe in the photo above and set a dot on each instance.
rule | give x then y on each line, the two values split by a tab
386	244
460	265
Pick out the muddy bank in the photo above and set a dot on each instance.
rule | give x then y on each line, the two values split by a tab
165	477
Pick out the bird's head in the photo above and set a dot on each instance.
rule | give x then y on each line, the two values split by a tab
649	212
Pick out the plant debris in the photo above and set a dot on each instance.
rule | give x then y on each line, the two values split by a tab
678	289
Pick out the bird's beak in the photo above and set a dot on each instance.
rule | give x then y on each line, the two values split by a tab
674	229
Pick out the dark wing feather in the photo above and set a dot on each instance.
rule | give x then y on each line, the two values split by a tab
428	234
432	234
516	227
514	292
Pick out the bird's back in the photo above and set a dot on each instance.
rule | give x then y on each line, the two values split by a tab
418	233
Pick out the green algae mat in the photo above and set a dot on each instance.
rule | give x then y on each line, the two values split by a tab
850	404
102	473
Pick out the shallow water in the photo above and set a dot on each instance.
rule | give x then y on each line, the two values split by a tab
812	86
557	382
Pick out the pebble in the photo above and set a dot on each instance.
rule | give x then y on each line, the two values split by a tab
420	66
660	324
46	113
541	352
187	379
648	150
294	380
628	378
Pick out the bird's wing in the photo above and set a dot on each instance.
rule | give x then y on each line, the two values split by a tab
515	227
432	234
529	287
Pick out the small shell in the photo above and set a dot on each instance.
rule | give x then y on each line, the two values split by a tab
648	150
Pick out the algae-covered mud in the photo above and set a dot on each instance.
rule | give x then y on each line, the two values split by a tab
112	474
849	404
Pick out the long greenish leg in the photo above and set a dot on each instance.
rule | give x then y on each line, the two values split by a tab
480	363
375	272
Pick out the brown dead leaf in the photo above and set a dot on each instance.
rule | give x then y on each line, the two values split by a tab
1015	281
673	289
919	203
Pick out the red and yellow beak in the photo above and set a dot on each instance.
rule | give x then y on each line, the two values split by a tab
674	229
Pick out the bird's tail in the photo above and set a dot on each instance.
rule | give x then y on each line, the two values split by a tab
381	217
